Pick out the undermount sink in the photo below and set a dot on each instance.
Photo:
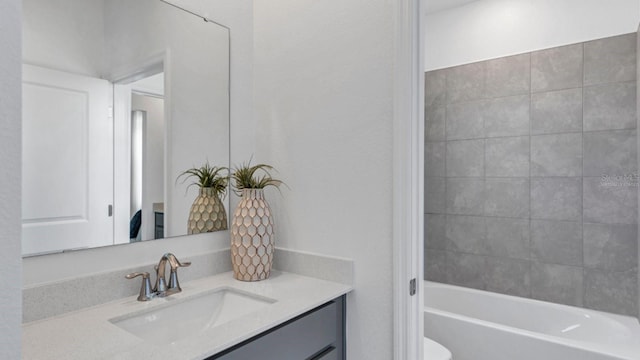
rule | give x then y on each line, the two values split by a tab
180	318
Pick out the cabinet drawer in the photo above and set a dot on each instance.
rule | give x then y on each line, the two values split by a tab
302	338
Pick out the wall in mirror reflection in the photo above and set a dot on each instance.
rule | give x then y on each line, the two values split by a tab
119	98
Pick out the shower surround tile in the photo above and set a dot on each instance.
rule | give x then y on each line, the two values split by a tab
612	153
535	157
508	76
434	195
611	291
466	270
434	161
557	68
556	112
465	196
610	106
435	88
465	121
557	283
556	198
507	157
556	155
611	247
556	242
610	203
609	60
507	276
507	116
508	197
465	158
466	234
435	263
507	237
466	82
434	231
434	123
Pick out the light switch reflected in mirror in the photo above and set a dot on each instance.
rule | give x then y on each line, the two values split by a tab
119	98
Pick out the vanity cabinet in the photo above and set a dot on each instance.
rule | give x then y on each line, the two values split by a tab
316	335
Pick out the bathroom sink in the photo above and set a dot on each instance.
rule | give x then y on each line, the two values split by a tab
180	318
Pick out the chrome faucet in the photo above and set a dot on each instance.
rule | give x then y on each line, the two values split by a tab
160	289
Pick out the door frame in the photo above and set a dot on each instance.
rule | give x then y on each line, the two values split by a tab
408	179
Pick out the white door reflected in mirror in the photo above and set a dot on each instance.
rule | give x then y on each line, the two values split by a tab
67	156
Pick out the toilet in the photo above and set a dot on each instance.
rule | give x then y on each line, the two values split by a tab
435	351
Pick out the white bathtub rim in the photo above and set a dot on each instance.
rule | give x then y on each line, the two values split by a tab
624	319
623	351
627	353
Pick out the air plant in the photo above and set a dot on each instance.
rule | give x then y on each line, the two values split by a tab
208	177
257	176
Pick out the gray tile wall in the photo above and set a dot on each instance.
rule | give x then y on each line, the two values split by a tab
531	172
638	146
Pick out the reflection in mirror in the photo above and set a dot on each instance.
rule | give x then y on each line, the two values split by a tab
119	98
147	159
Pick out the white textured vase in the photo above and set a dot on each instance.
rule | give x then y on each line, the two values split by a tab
207	213
252	237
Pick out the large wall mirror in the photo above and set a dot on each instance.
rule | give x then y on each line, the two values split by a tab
119	98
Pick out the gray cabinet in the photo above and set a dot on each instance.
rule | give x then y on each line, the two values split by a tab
315	335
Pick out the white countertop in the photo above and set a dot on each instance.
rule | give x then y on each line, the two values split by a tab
88	334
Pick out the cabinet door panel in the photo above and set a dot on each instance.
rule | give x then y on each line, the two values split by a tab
300	339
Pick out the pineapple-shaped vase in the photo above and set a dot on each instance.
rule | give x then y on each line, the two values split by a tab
207	213
252	240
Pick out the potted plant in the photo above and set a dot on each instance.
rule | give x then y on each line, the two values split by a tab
207	212
252	232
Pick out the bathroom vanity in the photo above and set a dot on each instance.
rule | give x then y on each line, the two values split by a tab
288	316
317	334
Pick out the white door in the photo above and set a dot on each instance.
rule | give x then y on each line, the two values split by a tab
67	161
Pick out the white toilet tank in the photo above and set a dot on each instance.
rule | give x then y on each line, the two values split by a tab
435	351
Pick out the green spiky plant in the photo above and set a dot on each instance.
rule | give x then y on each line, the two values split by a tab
247	176
208	177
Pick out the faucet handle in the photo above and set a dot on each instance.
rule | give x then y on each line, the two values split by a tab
175	263
145	289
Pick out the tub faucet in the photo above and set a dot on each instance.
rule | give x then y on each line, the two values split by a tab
160	289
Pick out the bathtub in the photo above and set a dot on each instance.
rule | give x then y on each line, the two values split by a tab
480	325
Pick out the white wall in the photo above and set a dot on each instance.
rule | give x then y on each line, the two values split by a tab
65	35
490	29
323	107
10	110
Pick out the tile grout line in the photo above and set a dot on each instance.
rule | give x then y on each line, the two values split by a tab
447	276
584	272
530	198
485	235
